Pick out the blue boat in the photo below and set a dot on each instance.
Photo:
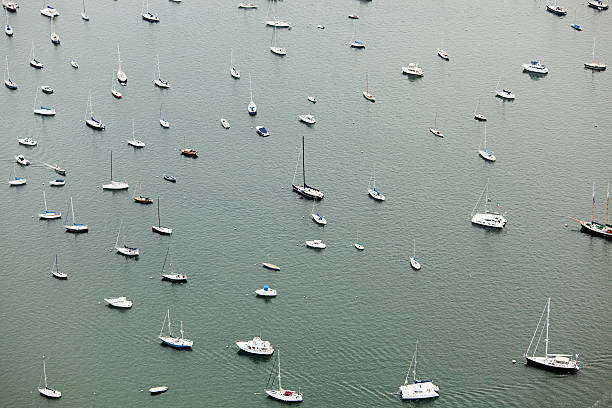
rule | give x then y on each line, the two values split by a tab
170	178
576	27
262	131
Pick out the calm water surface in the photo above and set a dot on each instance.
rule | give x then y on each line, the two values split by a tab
346	321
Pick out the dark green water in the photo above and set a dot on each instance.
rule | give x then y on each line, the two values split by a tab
345	321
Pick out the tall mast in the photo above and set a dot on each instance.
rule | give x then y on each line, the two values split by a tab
607	203
485	141
72	208
414	248
303	164
158	220
45	198
593	209
164	265
181	329
56	265
593	48
118	232
367	82
111	167
280	387
415	359
547	323
169	328
45	372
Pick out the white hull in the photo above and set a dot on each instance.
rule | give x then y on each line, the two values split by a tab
308	119
359	246
278	24
129	252
74	64
419	390
22	160
284	395
27	142
59	275
256	346
316	244
84	16
49	393
487	155
266	293
489	219
136	143
92	123
174	277
375	194
416	265
115	185
164	123
278	50
120	302
18	181
412	69
225	123
161	84
436	132
162	230
76	228
44	112
535	69
318	219
121	77
158	390
49	12
57	183
50	215
176	342
506	95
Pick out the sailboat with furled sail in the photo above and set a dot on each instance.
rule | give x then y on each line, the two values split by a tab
367	94
140	199
595	228
169	340
158	228
281	393
124	249
417	389
114	185
121	76
305	190
562	363
48	215
172	276
76	228
46	391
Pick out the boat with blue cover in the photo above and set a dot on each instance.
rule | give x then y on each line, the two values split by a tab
417	389
170	178
251	107
262	131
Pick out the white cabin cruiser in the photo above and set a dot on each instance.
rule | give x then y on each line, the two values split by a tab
49	11
316	244
308	119
22	160
27	141
412	69
536	67
256	346
266	291
120	302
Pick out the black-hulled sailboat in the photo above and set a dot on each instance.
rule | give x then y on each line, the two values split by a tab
561	363
305	190
595	228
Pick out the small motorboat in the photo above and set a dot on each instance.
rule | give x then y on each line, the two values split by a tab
266	291
256	346
443	54
46	89
321	27
44	111
225	123
49	11
169	178
560	11
278	23
10	6
357	44
150	17
55	39
505	94
74	63
576	27
312	99
262	131
536	67
353	16
247	5
316	244
359	246
480	117
22	160
270	266
120	302
412	69
598	4
116	93
158	390
27	141
308	119
57	183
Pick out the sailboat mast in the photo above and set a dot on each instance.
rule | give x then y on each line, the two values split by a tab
414	248
158	219
45	372
547	324
485	141
607	203
593	208
169	328
111	166
118	232
181	329
72	209
56	264
303	164
45	199
367	82
280	387
415	359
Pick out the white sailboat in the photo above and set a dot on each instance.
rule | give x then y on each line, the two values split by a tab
316	216
114	91
504	93
488	218
435	130
90	120
274	48
416	265
562	363
275	22
133	142
14	180
595	65
121	75
417	389
162	121
367	94
124	249
172	276
8	30
479	116
157	77
147	15
233	71
42	110
55	38
355	43
34	62
169	340
84	15
46	391
484	153
48	215
55	271
158	228
8	82
75	227
373	192
282	394
114	185
251	107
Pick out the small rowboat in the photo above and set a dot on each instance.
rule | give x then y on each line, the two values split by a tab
170	178
158	390
270	266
